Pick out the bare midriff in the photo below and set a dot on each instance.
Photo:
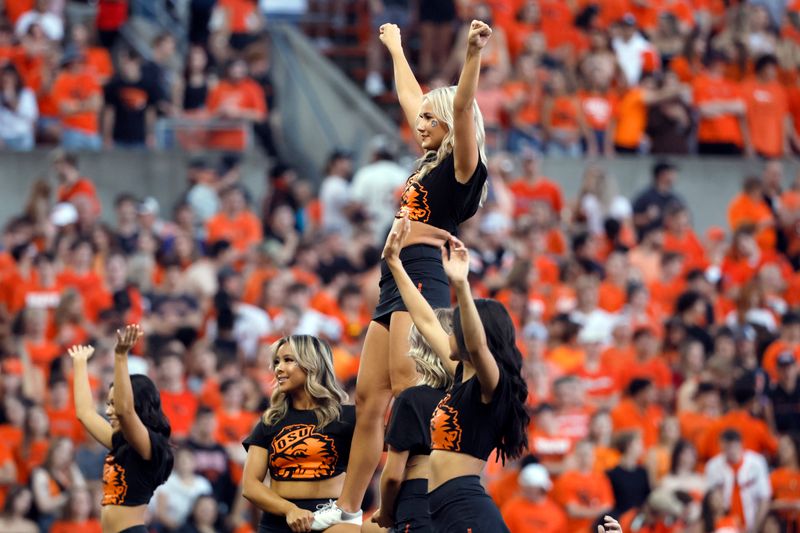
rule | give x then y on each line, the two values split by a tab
326	489
422	233
418	467
116	518
446	465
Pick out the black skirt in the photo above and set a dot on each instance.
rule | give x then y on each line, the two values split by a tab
272	523
461	505
424	266
411	509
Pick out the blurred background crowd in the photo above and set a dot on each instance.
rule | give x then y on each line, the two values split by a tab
662	361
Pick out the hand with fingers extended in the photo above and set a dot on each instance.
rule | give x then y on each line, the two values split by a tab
390	37
127	338
455	259
396	240
609	526
81	352
479	34
299	520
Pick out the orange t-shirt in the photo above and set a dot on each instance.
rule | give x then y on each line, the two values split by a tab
83	186
567	358
98	62
666	293
70	87
693	426
756	435
564	114
548	448
723	128
793	98
612	297
234	427
592	489
179	409
627	416
16	8
767	108
242	231
786	486
598	109
530	112
600	384
522	515
238	12
688	245
655	369
605	459
525	193
244	95
631	116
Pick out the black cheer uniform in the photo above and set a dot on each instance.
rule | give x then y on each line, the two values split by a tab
462	423
437	199
129	479
409	430
299	451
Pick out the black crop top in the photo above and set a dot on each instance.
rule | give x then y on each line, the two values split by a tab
129	479
410	423
299	452
438	199
463	423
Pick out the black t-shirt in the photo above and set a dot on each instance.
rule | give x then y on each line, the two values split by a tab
410	424
631	488
654	197
299	451
439	199
786	406
213	463
463	423
130	100
129	479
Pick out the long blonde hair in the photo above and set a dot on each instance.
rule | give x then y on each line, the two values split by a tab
431	370
314	356
441	101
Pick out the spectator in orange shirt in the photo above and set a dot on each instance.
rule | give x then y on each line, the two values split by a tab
584	493
179	403
638	411
546	442
563	122
601	430
78	514
720	104
648	364
239	100
597	104
749	208
600	383
706	410
533	186
80	99
98	60
532	510
234	223
755	433
71	183
680	238
768	119
787	342
523	105
785	481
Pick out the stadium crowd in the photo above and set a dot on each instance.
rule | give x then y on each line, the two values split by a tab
662	364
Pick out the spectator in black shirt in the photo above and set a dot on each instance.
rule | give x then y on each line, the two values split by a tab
629	479
211	459
649	206
129	114
785	396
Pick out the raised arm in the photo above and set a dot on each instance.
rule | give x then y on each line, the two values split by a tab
456	265
465	149
133	429
421	312
409	93
266	499
97	426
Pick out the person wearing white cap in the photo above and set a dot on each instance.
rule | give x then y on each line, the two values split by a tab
532	509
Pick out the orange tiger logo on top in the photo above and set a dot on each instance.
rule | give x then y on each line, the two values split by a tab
415	203
114	485
445	429
300	453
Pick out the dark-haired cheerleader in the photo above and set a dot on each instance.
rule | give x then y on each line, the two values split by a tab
136	434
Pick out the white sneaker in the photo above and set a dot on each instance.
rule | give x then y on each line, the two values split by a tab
374	84
329	514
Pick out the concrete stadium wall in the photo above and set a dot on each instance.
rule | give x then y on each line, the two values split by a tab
706	184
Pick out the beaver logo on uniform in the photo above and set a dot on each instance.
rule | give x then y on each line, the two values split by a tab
415	203
445	429
300	453
114	485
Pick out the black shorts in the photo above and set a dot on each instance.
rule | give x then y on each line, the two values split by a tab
272	523
424	265
461	505
411	509
437	11
135	529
